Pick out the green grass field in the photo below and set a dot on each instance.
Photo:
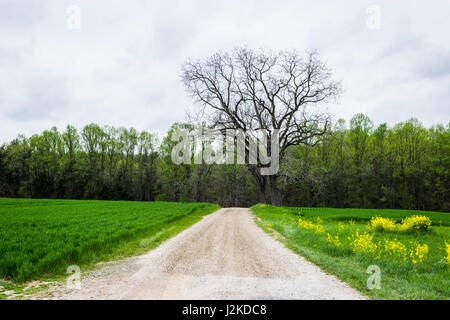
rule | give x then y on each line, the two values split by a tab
327	238
41	237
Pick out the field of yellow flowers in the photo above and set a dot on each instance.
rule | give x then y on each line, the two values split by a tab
411	248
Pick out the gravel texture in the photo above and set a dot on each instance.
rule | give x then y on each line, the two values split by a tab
224	256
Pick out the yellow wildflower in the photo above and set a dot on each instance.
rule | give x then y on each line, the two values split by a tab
380	223
334	240
409	224
308	225
447	250
395	248
363	243
419	254
415	223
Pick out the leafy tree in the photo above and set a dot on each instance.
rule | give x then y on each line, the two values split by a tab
404	166
250	90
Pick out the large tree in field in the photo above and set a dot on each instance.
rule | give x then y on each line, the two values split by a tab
252	90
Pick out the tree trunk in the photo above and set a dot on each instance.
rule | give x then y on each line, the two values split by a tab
261	181
275	197
262	190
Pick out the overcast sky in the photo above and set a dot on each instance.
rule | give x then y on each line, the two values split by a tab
122	66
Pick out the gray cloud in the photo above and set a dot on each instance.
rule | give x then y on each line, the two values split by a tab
122	68
45	95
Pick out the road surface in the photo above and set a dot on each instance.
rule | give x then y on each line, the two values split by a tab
224	256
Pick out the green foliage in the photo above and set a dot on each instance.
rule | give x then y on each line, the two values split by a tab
413	265
360	166
41	236
365	215
415	223
403	167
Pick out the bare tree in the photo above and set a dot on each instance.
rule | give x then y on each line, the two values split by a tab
251	90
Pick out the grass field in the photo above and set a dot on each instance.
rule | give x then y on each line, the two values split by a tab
39	237
413	265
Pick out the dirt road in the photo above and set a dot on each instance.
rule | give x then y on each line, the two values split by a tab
224	256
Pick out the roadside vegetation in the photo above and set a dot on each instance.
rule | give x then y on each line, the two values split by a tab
411	248
43	237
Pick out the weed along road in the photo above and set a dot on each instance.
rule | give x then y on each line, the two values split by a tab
224	256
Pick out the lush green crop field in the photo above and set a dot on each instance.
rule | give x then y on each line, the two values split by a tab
46	236
362	215
327	237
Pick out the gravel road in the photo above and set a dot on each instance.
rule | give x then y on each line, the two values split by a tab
224	256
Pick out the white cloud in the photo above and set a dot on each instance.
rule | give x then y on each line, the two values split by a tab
122	67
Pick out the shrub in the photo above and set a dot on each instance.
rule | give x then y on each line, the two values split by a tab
415	224
380	223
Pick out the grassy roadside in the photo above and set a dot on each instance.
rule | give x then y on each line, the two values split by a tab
139	243
330	247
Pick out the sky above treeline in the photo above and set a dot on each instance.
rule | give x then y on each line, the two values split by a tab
118	62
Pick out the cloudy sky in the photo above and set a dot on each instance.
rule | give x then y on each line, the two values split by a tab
122	66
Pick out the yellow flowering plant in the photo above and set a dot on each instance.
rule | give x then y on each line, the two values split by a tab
308	225
447	250
363	243
415	223
380	223
334	240
419	253
395	248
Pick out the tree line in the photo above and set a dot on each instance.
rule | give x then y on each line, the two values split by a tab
357	165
